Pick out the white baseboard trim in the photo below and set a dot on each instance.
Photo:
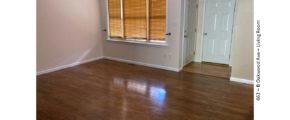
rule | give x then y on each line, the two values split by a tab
196	60
144	64
68	65
240	80
180	69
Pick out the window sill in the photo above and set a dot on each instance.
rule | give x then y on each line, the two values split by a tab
140	42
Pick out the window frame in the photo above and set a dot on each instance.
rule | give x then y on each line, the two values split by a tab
138	41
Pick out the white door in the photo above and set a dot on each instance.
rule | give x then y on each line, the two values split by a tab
190	19
218	27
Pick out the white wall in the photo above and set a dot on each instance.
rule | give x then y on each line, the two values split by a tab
242	57
167	56
68	31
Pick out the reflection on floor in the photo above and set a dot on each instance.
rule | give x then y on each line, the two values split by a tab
212	69
110	90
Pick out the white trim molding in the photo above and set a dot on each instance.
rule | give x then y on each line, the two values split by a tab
68	65
144	64
109	58
240	80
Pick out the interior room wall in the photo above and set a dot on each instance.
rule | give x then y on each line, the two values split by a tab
242	47
68	32
164	56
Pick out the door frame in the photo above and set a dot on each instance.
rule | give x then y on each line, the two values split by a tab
200	31
183	29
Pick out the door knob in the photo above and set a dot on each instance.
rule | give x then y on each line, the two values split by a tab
205	33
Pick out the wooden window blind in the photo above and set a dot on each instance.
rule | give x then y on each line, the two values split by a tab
115	21
137	19
157	19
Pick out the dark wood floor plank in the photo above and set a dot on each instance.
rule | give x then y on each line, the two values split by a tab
212	69
110	90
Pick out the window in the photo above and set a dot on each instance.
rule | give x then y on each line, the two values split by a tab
138	20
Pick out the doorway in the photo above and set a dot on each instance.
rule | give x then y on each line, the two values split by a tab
208	36
218	28
190	30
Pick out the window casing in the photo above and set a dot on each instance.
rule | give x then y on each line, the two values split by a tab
137	20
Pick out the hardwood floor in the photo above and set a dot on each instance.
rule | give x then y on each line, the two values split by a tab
109	90
211	69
